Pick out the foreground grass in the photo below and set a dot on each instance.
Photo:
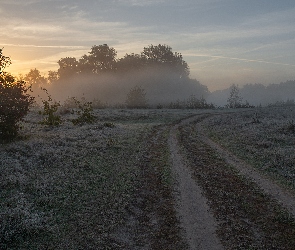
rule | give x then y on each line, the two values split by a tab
247	218
95	186
67	193
158	224
262	137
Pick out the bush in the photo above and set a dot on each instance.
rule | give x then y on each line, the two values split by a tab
136	98
14	105
195	103
50	108
191	103
14	102
85	114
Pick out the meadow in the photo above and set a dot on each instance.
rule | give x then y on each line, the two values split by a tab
109	185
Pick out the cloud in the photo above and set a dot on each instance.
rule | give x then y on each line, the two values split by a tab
45	46
242	59
141	3
27	2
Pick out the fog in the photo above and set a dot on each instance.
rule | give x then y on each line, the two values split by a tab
162	86
258	94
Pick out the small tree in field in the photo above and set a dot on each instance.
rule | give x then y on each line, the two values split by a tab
50	108
136	98
14	101
234	100
85	112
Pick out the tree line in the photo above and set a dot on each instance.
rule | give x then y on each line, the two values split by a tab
103	59
100	74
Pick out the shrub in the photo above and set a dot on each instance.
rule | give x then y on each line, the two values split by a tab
50	108
85	114
14	105
195	103
177	105
14	101
136	98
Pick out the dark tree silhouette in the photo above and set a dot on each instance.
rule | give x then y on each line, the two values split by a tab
162	55
14	101
4	61
35	78
131	62
85	66
52	76
68	67
102	58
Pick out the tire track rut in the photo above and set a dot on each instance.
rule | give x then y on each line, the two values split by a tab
286	198
194	212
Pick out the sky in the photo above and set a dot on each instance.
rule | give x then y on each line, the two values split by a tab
224	42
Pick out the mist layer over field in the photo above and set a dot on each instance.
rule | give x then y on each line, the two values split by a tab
161	87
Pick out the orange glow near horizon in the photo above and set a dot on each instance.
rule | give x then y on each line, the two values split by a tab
24	58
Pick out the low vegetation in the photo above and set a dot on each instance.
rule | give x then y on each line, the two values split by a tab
263	137
247	218
50	107
108	184
70	187
84	111
15	102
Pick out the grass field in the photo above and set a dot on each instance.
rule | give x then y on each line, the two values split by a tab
68	187
108	185
264	137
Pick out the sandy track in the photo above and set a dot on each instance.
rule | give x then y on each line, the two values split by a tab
286	198
192	207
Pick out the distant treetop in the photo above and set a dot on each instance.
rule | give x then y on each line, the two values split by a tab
103	59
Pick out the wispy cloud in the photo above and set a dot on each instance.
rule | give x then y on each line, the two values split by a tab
141	2
44	46
241	59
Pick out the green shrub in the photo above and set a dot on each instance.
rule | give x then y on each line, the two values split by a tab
14	105
50	108
14	102
85	112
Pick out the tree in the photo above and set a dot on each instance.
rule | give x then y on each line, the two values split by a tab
162	55
34	78
131	62
234	100
4	61
14	101
102	58
136	98
84	65
68	67
52	76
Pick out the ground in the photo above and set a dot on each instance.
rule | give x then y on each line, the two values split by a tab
151	179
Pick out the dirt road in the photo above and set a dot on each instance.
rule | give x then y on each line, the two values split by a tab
194	212
222	199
